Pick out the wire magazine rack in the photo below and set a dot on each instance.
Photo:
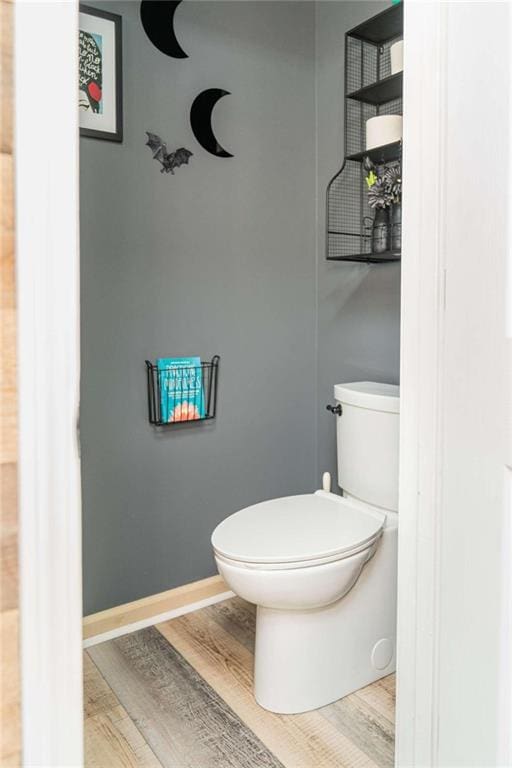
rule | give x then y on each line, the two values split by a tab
182	394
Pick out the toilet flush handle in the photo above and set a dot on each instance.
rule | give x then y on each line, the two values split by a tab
337	409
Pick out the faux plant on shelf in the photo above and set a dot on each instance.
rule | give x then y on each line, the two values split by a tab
384	184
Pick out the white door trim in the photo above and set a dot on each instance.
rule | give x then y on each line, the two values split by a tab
48	355
505	746
422	331
453	694
47	256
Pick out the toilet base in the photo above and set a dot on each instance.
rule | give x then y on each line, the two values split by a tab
307	659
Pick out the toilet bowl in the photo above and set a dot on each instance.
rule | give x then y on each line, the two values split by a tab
298	559
321	568
297	552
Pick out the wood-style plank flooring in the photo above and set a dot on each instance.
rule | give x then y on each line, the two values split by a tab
179	695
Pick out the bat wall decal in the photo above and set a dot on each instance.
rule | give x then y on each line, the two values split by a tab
169	160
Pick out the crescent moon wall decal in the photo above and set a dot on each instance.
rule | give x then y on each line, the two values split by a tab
157	17
201	121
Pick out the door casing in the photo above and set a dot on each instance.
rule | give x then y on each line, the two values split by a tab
437	688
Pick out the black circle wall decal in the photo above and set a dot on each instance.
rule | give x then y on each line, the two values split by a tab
157	17
201	120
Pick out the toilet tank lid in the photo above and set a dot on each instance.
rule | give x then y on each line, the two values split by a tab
369	394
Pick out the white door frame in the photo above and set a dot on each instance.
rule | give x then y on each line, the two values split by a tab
48	354
422	330
47	257
454	680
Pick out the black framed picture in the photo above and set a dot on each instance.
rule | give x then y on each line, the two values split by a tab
100	86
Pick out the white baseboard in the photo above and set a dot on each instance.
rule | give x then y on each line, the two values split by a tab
152	620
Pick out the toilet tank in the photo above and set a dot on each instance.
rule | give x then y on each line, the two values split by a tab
367	438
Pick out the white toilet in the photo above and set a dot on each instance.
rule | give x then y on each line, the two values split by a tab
321	568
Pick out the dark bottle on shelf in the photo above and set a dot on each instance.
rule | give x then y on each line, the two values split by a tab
395	225
380	231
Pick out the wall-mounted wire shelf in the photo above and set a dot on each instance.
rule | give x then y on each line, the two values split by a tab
384	154
387	89
384	26
370	89
183	394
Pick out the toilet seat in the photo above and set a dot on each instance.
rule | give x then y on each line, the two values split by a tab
297	532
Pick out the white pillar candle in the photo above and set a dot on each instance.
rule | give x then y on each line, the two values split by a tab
397	57
383	129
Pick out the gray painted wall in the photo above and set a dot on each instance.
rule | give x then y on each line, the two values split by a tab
216	259
358	305
226	257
